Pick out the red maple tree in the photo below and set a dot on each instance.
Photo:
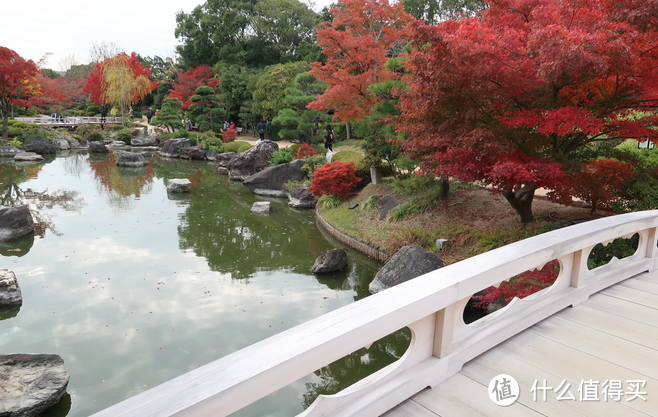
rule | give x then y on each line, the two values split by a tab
506	97
188	82
335	178
17	83
359	40
303	151
58	93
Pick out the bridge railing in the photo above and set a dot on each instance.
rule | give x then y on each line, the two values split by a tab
72	120
431	306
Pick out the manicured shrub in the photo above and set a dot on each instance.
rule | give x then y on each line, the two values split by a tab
210	141
124	135
230	135
335	178
235	146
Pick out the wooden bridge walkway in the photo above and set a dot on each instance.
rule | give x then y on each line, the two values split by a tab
611	337
66	121
593	329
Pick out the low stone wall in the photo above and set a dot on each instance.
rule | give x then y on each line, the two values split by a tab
350	241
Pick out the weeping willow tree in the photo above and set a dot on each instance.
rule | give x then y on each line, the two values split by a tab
125	81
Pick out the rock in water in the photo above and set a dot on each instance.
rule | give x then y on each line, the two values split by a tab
31	383
330	261
301	197
173	147
28	156
98	146
193	152
179	186
252	160
10	292
130	159
15	222
261	207
407	263
272	180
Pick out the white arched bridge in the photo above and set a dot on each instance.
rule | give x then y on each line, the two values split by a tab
585	346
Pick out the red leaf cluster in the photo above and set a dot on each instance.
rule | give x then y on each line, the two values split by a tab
96	84
18	80
303	151
335	178
504	97
229	135
189	80
602	181
519	286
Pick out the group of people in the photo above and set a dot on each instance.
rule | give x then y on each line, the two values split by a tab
228	125
264	126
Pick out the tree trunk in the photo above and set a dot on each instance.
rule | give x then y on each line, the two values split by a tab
521	201
5	124
348	131
445	188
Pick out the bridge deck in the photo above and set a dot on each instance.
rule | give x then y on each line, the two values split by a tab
612	336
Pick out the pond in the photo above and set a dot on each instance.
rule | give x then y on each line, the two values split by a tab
133	287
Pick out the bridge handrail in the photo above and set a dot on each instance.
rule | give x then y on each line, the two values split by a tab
430	305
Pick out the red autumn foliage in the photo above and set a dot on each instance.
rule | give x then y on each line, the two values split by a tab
58	94
602	182
506	96
357	44
229	135
95	85
189	80
17	82
519	286
303	151
335	178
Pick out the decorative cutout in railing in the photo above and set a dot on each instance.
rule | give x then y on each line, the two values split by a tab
431	306
69	120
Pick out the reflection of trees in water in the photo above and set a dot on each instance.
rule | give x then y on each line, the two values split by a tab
75	163
354	367
38	201
120	184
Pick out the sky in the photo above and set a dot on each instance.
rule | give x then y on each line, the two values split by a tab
69	28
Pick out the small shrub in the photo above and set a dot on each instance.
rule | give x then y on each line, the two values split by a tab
302	151
331	202
280	156
335	178
209	141
235	146
117	128
230	135
124	135
371	203
312	163
94	136
86	130
15	142
291	185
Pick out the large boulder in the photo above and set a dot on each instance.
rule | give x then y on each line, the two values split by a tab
223	159
98	146
8	151
15	222
39	144
330	261
10	291
193	152
60	144
144	141
407	263
272	180
173	147
301	197
251	161
132	160
211	155
31	383
28	156
179	185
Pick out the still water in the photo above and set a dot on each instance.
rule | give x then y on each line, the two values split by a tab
133	287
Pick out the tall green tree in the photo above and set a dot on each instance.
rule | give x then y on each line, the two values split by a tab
255	33
232	88
435	11
297	122
268	88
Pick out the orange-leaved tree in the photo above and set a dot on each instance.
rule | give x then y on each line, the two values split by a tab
335	178
189	80
17	83
506	97
359	40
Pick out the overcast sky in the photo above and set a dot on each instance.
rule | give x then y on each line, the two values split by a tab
70	27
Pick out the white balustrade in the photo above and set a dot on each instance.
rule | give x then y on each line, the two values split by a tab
68	120
431	306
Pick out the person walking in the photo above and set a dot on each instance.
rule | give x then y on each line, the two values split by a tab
261	129
131	112
149	115
329	138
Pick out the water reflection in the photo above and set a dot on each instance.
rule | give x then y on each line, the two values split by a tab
9	312
120	185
